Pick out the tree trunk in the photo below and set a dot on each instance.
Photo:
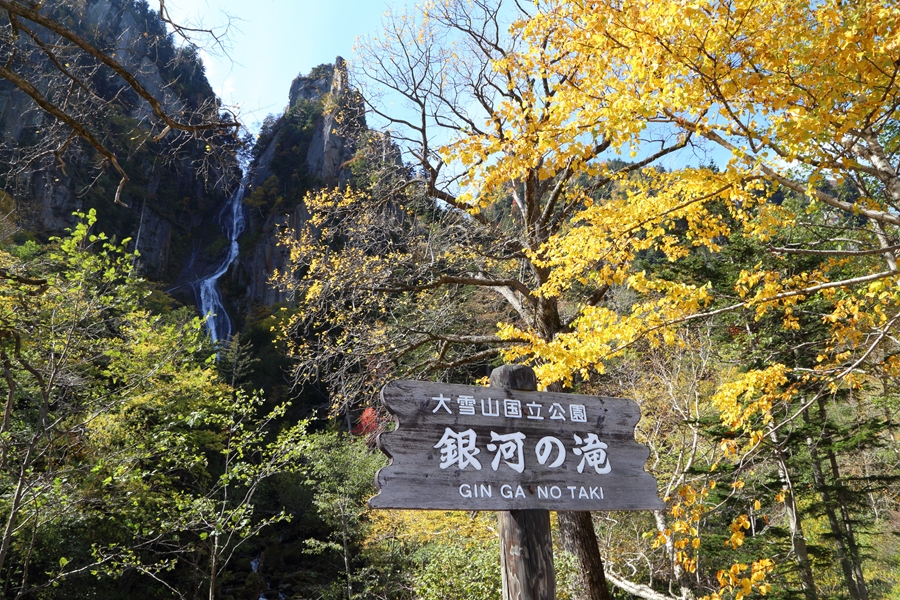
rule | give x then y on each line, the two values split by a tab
16	504
855	558
845	538
579	538
821	487
679	575
213	567
346	550
828	501
798	540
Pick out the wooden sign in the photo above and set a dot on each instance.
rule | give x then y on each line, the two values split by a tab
463	447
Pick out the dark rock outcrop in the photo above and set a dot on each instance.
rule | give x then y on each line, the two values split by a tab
168	200
327	153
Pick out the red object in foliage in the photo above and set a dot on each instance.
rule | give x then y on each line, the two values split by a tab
368	422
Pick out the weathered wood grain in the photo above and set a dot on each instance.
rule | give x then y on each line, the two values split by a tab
415	479
526	555
526	543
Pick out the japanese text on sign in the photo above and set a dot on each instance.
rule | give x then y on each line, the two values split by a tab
510	408
459	449
472	448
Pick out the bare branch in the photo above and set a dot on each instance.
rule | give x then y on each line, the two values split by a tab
76	126
26	12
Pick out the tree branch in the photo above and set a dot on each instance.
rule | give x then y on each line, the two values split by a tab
61	115
637	589
29	13
449	280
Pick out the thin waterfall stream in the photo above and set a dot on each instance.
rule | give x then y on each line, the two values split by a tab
218	323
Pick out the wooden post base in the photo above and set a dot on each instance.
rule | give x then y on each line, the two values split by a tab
526	547
526	555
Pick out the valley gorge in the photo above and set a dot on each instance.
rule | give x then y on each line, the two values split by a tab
202	216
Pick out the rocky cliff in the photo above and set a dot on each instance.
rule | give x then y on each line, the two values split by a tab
169	202
308	147
173	212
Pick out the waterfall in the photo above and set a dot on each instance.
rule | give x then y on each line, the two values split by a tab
232	219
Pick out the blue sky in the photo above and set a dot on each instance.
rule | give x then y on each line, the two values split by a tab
272	41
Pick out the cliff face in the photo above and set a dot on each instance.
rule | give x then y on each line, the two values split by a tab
173	213
307	148
333	142
168	201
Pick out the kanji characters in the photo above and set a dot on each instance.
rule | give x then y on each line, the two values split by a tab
592	452
557	412
441	401
510	446
458	449
534	411
493	408
466	405
577	413
512	409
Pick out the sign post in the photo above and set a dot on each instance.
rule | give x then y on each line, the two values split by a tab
520	452
526	545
